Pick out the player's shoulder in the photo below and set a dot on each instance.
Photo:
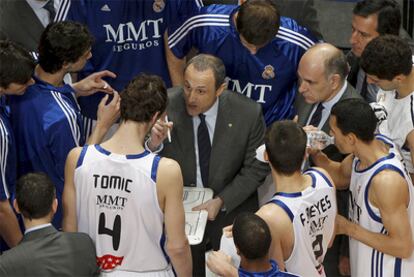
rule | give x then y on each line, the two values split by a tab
168	167
319	171
212	21
274	209
76	155
389	177
292	34
216	9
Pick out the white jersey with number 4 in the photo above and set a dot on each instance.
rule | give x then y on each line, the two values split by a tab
312	212
365	260
117	206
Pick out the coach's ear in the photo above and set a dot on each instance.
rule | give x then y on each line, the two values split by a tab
54	205
241	2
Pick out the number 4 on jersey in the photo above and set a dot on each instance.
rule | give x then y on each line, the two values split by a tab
115	233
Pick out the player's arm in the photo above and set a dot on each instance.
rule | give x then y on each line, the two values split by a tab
175	65
69	193
339	172
9	228
410	143
108	114
170	187
389	192
281	229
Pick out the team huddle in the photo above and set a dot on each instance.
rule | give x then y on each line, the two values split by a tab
123	103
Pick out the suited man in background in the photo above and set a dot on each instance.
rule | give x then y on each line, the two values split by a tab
23	21
215	135
43	250
322	73
370	19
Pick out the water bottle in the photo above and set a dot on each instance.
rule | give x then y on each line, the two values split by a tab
319	140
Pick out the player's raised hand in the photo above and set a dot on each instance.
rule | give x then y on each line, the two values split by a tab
159	132
108	113
94	83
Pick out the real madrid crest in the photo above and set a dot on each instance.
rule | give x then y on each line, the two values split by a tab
158	5
269	72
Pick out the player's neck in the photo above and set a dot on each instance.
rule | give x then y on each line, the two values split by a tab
55	79
260	265
369	153
407	86
128	139
293	183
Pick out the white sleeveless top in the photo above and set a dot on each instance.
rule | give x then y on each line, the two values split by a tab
366	261
117	206
312	212
399	122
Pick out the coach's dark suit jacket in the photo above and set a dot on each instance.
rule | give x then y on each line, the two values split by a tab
234	173
19	23
47	252
304	109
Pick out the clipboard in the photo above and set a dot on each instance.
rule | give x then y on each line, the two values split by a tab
195	221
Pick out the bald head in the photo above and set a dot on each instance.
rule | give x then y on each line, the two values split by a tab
322	72
329	58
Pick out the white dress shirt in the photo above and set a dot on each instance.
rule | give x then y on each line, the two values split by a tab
211	117
41	13
38	227
327	107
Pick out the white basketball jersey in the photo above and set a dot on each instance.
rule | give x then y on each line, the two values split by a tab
117	206
312	212
399	121
366	261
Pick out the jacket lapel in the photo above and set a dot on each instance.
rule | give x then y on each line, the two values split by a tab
185	137
222	137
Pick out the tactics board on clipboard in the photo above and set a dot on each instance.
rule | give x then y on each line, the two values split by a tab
195	221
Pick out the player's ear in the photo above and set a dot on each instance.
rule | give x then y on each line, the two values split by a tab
265	156
16	206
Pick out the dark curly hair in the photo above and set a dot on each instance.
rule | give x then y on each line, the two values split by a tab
143	97
63	42
387	57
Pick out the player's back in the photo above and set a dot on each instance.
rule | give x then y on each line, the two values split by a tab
312	212
117	205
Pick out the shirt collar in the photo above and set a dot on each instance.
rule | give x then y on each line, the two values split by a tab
38	227
63	89
329	104
36	4
233	27
213	110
